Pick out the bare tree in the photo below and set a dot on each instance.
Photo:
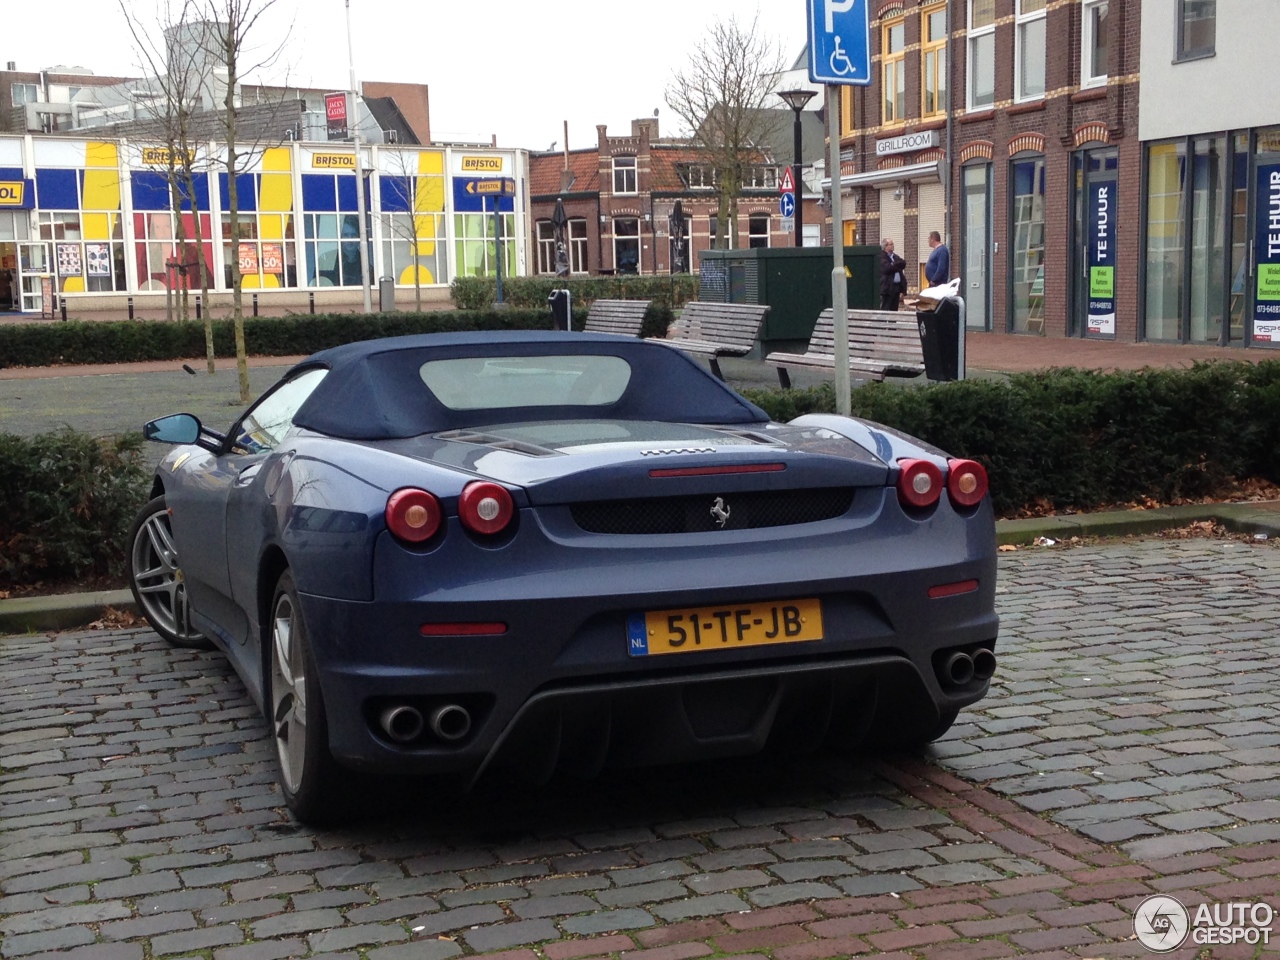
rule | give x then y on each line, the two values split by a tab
725	96
180	81
413	228
232	22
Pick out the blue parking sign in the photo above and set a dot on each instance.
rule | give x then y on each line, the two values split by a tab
839	42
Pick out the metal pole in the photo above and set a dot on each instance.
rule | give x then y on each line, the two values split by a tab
839	290
353	119
799	184
497	245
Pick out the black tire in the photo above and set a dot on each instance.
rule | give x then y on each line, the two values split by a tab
309	778
156	580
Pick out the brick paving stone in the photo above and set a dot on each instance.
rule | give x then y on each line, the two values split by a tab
500	936
607	921
417	950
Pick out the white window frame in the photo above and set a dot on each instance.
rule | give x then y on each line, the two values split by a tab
971	61
32	88
619	239
625	172
577	245
546	240
1021	22
1087	9
767	236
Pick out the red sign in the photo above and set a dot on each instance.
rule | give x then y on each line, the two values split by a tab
273	258
335	111
786	184
248	257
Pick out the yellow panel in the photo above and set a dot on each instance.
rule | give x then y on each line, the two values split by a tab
276	192
249	281
101	187
424	275
73	285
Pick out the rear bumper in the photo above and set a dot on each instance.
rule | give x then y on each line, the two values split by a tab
558	691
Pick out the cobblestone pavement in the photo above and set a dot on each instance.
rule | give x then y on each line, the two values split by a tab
140	817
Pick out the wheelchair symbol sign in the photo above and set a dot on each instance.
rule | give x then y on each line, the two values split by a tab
839	42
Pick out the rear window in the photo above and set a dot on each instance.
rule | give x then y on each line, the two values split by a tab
495	383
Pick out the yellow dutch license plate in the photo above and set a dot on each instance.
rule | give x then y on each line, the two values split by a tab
723	627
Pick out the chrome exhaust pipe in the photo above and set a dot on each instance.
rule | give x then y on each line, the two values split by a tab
984	664
401	723
450	721
958	668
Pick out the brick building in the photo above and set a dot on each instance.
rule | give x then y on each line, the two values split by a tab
1038	200
619	196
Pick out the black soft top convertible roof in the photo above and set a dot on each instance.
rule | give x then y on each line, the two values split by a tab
374	390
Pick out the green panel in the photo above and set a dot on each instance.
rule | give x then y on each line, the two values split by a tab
1269	281
796	284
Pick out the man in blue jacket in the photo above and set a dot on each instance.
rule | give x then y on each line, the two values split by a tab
937	269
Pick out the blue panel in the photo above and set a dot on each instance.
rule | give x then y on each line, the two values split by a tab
1028	177
347	195
150	190
317	192
57	190
202	193
465	202
11	173
246	192
397	194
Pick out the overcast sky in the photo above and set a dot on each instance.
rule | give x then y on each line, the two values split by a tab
514	68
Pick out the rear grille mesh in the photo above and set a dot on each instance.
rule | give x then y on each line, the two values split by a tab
746	511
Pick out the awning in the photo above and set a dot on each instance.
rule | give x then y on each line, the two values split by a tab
928	172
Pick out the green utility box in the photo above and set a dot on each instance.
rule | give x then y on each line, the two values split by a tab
794	281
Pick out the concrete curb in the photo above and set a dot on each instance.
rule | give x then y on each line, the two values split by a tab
67	611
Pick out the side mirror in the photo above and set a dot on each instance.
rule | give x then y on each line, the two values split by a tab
178	428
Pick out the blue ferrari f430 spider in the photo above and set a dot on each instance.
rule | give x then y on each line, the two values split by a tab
523	554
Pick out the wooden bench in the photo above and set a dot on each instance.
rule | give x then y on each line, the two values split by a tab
882	344
715	330
623	317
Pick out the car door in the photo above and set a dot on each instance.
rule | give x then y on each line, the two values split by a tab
250	517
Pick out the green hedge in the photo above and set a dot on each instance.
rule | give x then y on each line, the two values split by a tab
478	293
1068	439
44	344
66	503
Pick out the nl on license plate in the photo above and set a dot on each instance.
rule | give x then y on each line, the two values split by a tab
716	628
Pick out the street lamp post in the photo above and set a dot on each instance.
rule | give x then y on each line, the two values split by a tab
354	121
796	99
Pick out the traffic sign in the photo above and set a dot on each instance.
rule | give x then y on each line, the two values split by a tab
839	42
492	187
786	184
787	204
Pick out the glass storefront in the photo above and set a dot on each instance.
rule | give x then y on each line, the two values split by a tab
1026	245
1196	224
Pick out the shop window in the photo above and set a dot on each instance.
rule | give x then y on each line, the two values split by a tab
624	174
165	250
1030	52
1093	42
578	245
626	245
411	226
1166	170
893	63
758	231
475	252
1197	28
1026	245
982	54
265	249
933	60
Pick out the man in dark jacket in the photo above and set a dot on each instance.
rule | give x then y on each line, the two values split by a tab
893	276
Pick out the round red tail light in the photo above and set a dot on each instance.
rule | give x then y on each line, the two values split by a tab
966	482
413	515
485	507
919	483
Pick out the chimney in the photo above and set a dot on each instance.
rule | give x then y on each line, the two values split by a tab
645	126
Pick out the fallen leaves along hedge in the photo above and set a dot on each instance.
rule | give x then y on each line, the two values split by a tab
66	503
1071	440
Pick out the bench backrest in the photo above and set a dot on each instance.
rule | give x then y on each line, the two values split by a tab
624	317
732	324
885	336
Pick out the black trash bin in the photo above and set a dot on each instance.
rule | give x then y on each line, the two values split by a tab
940	340
561	315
